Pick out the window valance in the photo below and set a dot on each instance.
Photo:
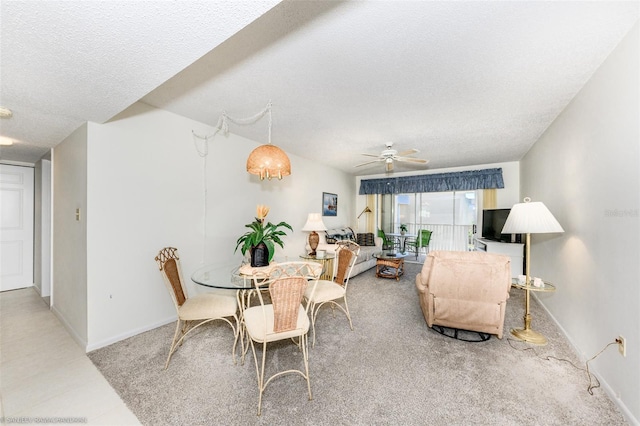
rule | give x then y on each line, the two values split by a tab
439	182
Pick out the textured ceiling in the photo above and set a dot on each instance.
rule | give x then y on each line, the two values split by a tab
67	62
463	82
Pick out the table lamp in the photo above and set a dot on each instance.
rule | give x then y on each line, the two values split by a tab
530	218
314	223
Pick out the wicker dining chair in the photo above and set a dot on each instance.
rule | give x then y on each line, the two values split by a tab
284	318
332	291
194	311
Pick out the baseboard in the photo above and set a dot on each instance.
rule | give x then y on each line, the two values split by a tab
603	383
79	340
126	335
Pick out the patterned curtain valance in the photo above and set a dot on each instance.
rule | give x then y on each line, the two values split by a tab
440	182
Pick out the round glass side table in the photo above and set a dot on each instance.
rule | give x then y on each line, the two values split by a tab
327	263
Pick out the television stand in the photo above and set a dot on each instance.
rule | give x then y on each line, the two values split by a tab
514	250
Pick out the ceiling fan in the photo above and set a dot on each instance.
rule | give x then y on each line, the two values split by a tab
389	155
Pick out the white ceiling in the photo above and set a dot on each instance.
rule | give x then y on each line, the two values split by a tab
463	82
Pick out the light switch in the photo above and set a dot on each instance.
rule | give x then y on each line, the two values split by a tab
78	214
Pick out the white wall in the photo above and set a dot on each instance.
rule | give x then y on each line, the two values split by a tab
69	296
585	169
42	228
145	192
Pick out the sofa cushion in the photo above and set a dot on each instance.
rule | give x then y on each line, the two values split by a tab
339	234
366	253
366	239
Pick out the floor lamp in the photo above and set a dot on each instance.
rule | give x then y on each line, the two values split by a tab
365	210
530	218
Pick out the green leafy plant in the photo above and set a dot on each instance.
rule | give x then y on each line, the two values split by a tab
268	234
403	227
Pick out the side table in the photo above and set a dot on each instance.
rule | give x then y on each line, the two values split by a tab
390	265
327	264
526	333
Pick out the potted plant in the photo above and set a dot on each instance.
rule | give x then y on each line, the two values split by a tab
261	239
403	228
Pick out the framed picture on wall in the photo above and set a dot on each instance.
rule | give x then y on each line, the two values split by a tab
329	204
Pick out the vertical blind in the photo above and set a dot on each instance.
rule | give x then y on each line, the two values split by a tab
439	182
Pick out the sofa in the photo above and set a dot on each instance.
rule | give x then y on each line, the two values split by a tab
369	245
465	290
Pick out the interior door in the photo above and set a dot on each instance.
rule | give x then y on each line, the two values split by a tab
16	227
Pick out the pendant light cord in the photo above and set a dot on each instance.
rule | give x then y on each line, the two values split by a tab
221	126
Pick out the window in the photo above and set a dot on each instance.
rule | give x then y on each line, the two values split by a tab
450	216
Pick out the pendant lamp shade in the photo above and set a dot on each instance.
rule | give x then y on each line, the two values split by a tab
268	161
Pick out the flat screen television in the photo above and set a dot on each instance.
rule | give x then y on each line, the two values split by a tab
493	221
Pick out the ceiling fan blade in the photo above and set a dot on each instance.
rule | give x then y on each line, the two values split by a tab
407	152
368	162
370	155
388	166
412	160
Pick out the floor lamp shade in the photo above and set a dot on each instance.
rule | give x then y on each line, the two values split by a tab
530	218
314	223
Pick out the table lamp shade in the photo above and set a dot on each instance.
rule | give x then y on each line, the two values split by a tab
314	223
530	218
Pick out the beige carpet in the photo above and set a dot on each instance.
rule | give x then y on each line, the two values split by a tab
392	369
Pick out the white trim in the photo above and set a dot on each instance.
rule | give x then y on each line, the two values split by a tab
130	333
603	383
17	163
68	327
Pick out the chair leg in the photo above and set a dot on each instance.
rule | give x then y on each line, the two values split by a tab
236	333
314	314
316	309
261	375
173	344
260	369
304	342
346	305
186	330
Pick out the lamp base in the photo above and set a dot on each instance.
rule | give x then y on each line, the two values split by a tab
314	239
529	336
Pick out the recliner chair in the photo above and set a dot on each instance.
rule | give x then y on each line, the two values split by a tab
465	290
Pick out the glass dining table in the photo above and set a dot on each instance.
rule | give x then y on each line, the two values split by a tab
222	276
403	239
233	277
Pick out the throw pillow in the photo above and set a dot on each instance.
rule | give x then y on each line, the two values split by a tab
366	239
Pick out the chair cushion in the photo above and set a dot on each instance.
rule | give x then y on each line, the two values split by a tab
254	322
325	290
208	305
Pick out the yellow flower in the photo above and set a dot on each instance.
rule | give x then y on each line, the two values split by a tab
262	211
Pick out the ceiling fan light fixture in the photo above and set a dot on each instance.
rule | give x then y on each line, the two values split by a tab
389	155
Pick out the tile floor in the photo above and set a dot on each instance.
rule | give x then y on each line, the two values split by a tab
44	374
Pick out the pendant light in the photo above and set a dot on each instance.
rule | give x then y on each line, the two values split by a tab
268	161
